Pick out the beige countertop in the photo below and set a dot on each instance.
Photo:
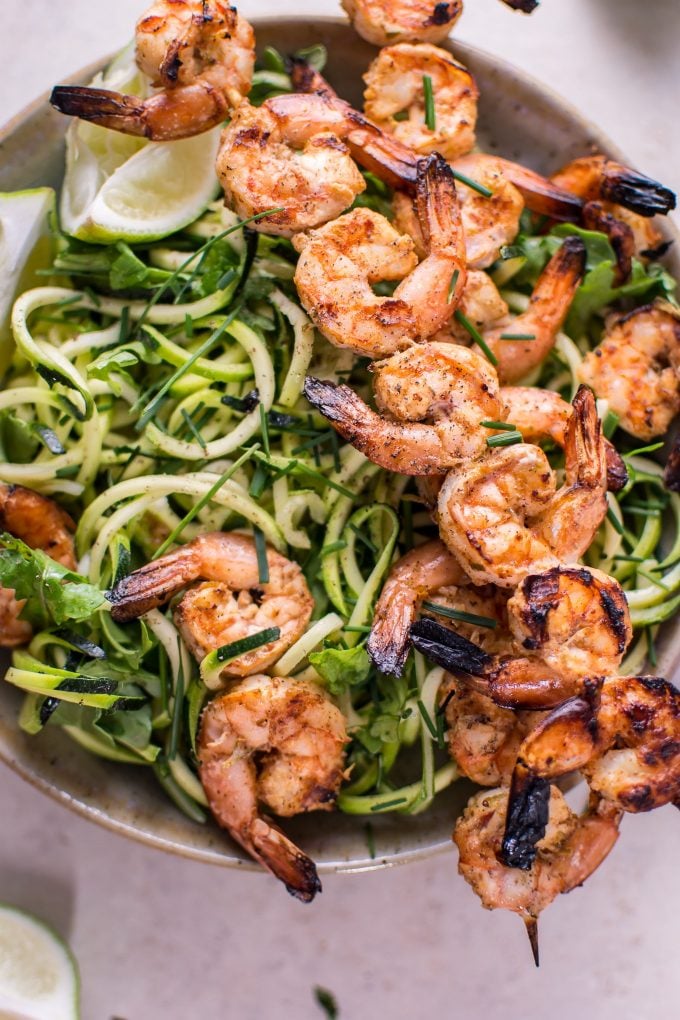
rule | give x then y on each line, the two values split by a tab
159	938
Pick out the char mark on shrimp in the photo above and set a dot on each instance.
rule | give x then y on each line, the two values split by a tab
446	648
636	192
443	13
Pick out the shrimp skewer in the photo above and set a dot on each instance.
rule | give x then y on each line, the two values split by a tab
395	101
542	414
566	624
341	261
438	393
41	524
503	517
489	221
568	852
200	53
297	736
288	155
426	571
623	734
229	605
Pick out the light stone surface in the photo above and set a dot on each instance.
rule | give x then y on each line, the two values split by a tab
159	938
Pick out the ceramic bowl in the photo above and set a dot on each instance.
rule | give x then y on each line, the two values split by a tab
519	118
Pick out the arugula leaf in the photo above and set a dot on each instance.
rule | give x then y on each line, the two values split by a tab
342	668
117	266
52	593
597	290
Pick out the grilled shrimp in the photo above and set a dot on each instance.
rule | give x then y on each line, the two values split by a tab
231	603
598	177
339	263
41	524
503	517
395	99
565	625
569	852
636	369
199	53
482	737
623	734
548	308
288	155
276	742
488	222
439	393
383	22
428	571
542	414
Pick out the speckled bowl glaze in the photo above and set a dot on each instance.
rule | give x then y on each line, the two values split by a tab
519	118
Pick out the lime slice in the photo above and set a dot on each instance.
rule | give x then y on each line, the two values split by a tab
25	245
38	975
121	188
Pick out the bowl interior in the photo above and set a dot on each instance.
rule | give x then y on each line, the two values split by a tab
521	120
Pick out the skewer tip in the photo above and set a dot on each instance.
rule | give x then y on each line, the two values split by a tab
531	924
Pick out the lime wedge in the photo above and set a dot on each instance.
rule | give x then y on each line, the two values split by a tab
38	975
25	245
121	188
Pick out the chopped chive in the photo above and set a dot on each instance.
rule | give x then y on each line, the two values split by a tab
326	1000
441	734
475	185
610	424
629	559
319	439
225	279
462	617
357	630
176	274
426	719
387	804
333	547
452	286
261	550
370	840
335	450
476	335
654	580
124	325
614	521
642	511
517	336
643	449
151	408
428	92
177	531
651	648
191	425
259	481
505	439
364	541
188	326
264	429
502	426
296	465
177	707
248	644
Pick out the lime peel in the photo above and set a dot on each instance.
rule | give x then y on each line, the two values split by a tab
38	973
